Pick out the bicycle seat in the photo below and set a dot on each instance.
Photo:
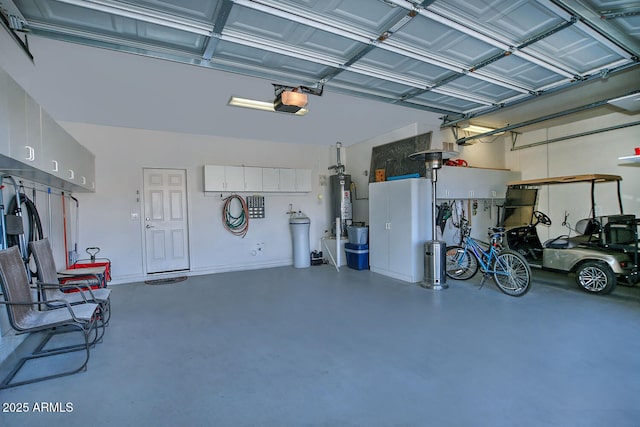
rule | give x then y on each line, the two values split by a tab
494	230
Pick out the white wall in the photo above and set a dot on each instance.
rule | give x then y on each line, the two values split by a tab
596	153
122	153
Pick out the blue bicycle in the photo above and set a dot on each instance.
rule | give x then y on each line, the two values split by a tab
509	269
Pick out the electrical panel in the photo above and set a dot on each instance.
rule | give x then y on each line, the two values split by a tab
255	204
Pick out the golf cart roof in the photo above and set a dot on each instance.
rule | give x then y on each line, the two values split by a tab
567	179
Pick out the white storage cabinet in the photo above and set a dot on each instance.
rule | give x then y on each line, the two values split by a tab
223	178
473	183
399	225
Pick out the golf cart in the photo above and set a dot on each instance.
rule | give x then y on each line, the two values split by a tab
600	250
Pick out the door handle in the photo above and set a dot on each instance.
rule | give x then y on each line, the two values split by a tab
31	153
150	226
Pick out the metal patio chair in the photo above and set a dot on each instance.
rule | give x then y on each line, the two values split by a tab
51	290
25	317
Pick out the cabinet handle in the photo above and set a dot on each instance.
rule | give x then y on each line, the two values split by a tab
84	180
54	166
72	175
31	153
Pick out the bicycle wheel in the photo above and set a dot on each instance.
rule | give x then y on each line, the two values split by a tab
512	273
461	265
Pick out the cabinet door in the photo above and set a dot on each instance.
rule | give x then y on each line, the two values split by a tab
213	178
17	105
34	133
91	171
378	227
234	178
53	147
253	179
303	180
453	183
85	168
270	179
287	180
4	114
402	221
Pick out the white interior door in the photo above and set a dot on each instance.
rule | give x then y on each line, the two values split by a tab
165	220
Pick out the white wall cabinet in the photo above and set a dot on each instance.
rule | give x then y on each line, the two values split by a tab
85	176
399	218
4	113
54	151
253	179
287	180
17	109
234	178
256	179
223	178
34	146
270	179
473	183
303	180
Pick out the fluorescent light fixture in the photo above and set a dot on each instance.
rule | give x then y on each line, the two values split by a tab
478	129
259	105
629	103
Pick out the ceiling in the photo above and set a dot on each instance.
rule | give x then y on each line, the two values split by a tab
464	59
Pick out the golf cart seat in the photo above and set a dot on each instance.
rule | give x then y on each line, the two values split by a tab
586	229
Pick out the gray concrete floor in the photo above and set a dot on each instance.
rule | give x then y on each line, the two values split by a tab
313	347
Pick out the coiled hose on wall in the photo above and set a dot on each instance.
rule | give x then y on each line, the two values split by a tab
33	219
236	225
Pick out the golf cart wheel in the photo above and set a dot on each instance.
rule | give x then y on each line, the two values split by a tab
461	265
596	277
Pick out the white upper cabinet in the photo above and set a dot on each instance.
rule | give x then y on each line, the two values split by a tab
33	143
303	180
223	178
256	179
234	178
287	180
54	153
36	147
214	178
17	109
270	179
86	168
4	113
473	183
253	179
